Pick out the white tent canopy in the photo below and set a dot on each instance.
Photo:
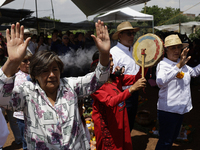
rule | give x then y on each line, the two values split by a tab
4	2
124	14
91	7
186	27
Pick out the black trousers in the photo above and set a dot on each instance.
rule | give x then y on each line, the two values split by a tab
132	107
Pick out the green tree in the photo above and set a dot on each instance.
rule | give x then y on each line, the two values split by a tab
197	18
180	18
195	35
166	15
48	17
154	10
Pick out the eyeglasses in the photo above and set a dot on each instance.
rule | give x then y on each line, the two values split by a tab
129	33
66	38
26	61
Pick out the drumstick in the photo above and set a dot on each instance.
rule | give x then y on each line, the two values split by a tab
143	54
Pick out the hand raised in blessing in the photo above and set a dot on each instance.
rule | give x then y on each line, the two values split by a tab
183	58
102	39
16	45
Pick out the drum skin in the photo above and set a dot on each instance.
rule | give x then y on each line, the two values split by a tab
154	49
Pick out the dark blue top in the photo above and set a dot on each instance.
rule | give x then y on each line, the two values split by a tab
60	49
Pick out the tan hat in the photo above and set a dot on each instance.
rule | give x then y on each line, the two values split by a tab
174	40
123	26
26	31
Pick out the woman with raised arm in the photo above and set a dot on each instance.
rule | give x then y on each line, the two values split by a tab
50	106
173	78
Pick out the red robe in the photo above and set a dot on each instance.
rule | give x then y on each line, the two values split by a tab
110	116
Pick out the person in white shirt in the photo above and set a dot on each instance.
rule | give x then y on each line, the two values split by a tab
32	43
31	46
40	45
173	78
122	56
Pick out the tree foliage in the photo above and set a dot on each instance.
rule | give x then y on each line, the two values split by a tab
48	17
166	15
197	18
195	35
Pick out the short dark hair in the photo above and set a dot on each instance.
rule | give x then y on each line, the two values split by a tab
95	56
41	61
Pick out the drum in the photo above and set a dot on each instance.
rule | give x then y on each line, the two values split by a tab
153	46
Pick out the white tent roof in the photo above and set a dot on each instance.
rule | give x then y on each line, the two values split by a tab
91	7
4	2
124	14
186	27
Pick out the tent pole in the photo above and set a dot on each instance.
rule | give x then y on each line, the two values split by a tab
153	26
37	17
53	13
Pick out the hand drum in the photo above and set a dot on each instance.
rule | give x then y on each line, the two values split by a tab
153	47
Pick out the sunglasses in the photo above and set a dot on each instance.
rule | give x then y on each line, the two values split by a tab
66	38
128	33
26	61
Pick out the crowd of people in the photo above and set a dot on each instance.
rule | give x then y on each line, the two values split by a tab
45	111
59	42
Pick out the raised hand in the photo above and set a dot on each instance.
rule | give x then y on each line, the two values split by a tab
15	43
140	83
102	39
183	59
16	48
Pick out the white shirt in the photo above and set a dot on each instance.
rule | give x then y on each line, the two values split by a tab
42	47
123	57
29	49
32	46
174	93
52	127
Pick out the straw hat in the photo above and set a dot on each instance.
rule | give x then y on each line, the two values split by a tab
123	26
26	31
174	40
